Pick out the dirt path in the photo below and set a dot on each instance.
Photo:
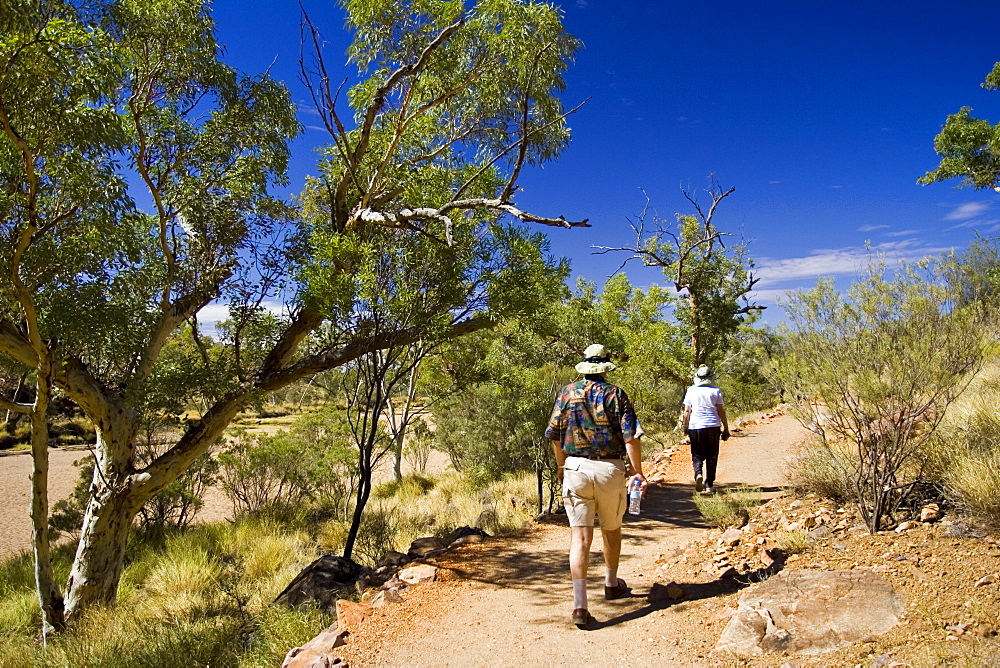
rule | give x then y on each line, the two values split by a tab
508	601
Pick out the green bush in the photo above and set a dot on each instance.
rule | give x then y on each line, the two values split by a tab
814	469
409	486
314	462
200	597
730	507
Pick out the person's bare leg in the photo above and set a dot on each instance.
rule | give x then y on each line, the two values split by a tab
579	560
581	539
612	547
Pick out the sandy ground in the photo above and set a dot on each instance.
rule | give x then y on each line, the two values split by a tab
507	602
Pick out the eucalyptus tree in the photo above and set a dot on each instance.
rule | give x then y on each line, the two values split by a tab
969	147
449	104
712	280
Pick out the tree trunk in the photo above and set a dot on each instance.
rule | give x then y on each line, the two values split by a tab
114	503
361	500
49	597
13	417
697	353
397	455
100	556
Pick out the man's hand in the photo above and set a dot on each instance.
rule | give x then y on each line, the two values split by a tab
725	435
642	483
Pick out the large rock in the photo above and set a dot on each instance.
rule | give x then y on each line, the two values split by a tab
317	652
421	547
321	581
350	614
811	612
418	574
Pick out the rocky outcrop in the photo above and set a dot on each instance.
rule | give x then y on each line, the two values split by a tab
811	612
322	581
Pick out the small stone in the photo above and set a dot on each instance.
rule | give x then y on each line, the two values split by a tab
986	580
930	513
422	546
386	597
905	526
466	540
985	630
727	572
732	537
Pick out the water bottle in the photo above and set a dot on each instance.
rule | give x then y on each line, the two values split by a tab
634	496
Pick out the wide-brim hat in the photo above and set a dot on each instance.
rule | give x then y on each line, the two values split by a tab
704	376
595	360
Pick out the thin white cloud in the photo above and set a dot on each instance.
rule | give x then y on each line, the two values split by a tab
582	4
768	296
773	182
848	261
982	224
902	233
212	314
872	228
967	211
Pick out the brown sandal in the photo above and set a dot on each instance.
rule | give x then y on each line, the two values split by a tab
620	590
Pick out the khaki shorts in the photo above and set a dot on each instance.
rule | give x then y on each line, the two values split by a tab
594	487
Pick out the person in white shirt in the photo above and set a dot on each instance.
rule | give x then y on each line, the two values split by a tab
705	422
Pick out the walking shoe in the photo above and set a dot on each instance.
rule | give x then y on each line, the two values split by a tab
620	590
699	483
708	489
581	617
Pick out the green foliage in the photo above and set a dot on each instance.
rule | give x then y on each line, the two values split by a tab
314	462
201	597
969	147
409	486
399	238
794	542
814	469
877	370
729	508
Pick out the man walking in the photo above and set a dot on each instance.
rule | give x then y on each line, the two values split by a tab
705	422
596	440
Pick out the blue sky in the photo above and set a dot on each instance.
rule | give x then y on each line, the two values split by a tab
822	115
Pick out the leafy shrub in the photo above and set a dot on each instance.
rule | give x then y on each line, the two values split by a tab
814	469
178	503
419	446
794	542
313	462
409	486
729	508
378	534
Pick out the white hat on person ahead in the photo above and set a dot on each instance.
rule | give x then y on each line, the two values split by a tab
704	376
595	360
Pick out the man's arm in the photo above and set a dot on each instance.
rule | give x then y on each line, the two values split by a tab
685	418
633	447
560	457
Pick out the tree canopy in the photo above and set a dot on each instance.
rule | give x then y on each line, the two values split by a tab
969	147
136	170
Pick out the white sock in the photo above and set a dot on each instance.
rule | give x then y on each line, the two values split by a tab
610	577
580	593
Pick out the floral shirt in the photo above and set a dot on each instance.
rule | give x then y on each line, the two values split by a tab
593	419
